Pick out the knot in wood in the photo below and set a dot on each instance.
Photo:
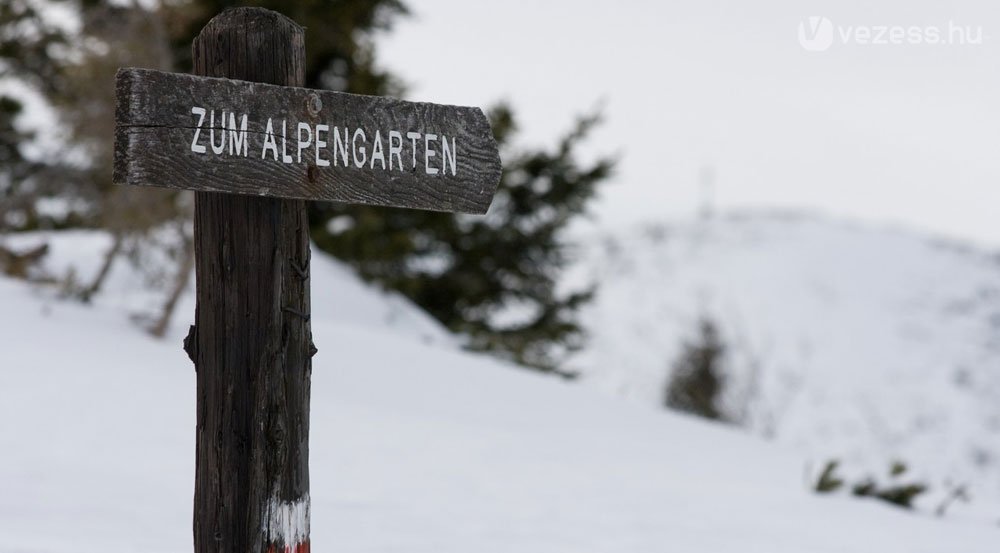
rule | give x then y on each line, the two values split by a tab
277	434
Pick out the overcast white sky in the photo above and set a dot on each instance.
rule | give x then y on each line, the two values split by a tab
892	133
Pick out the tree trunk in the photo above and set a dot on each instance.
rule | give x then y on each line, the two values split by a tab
251	342
181	279
118	238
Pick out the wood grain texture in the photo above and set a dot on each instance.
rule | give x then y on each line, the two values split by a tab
252	340
155	128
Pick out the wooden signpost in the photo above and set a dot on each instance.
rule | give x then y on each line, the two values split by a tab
254	147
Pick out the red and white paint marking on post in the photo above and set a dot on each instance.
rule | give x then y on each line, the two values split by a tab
286	524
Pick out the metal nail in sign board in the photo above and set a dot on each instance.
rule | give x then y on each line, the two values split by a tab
223	135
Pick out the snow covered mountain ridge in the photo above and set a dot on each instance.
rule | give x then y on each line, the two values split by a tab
415	445
849	342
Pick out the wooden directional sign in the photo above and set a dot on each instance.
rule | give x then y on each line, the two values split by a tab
224	135
270	147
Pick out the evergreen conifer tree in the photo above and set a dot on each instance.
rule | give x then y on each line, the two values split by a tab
696	384
27	42
471	273
492	278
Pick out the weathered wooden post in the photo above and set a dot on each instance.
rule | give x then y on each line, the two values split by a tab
251	342
254	147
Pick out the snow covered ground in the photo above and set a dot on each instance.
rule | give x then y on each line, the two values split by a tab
416	446
845	341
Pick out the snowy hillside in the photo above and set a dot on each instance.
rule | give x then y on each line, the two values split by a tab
848	342
416	447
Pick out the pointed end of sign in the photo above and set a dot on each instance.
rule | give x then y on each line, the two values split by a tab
494	172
